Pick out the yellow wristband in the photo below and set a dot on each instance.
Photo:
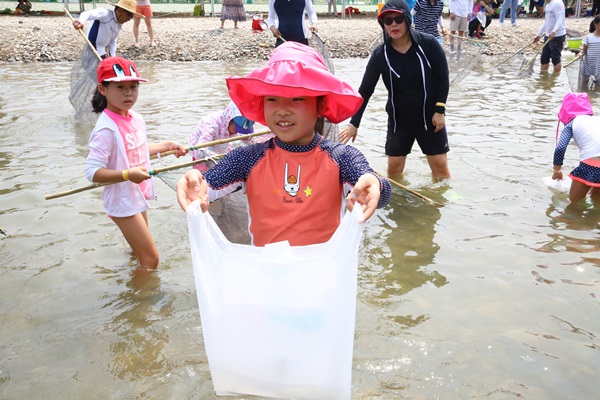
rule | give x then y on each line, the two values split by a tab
440	104
555	171
125	174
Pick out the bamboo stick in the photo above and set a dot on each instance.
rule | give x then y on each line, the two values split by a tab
84	36
518	51
401	186
534	56
572	61
213	143
151	172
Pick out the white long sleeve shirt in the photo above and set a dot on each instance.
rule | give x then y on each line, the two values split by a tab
104	31
461	8
554	20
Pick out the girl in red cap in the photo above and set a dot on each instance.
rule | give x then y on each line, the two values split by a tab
297	184
119	153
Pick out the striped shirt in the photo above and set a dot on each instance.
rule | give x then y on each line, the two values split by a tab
591	62
428	17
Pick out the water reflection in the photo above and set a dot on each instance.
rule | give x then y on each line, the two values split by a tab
137	351
400	254
574	228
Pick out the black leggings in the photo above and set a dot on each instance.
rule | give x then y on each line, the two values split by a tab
473	25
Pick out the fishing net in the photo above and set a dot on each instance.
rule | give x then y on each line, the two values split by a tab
462	62
83	82
318	43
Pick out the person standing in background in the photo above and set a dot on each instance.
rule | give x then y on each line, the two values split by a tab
427	16
233	10
555	31
144	8
414	70
331	3
286	20
460	14
513	5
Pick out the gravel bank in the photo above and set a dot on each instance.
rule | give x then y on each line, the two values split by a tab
52	38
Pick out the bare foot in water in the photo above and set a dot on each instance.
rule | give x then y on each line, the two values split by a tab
136	44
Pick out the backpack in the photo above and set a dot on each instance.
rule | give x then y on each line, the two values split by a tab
573	104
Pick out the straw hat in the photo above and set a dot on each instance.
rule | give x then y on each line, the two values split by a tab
128	5
293	70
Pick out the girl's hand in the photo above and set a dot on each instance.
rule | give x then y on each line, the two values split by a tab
557	175
191	187
138	174
179	148
366	192
313	27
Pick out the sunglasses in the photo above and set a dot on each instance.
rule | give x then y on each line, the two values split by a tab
389	20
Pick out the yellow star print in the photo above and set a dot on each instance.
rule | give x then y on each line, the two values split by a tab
308	191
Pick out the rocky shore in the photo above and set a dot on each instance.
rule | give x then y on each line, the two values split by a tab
51	38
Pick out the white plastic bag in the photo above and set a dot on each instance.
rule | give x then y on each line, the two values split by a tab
563	185
278	320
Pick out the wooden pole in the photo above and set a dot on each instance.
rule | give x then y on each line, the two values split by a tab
209	144
401	186
518	51
151	172
534	56
84	36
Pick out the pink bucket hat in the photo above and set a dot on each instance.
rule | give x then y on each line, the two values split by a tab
293	70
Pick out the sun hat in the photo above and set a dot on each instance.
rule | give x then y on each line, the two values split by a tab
127	5
574	104
293	70
117	69
243	125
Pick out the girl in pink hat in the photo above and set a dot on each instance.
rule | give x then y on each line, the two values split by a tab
584	128
119	153
297	184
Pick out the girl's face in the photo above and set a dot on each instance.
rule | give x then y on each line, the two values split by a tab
393	27
231	128
292	120
120	96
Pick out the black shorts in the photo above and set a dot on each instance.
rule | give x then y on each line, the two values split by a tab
552	50
432	143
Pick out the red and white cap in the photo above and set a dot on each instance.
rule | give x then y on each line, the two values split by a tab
117	69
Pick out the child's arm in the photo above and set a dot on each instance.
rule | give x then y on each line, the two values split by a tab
167	145
135	175
190	187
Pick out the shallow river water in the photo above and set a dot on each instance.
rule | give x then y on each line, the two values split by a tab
494	294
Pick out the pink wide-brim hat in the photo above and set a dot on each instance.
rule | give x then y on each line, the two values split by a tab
293	70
